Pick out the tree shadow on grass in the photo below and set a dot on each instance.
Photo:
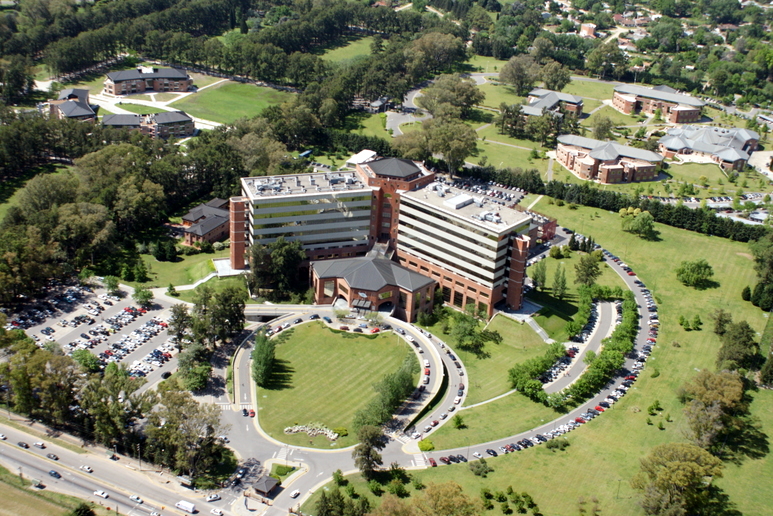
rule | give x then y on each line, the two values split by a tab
718	504
562	308
706	284
746	441
281	376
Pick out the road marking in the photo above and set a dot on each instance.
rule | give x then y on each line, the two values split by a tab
247	427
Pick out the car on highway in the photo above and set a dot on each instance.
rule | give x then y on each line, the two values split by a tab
87	469
213	497
39	444
54	473
2	437
135	498
101	494
52	456
23	444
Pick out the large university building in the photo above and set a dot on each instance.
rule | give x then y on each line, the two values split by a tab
473	248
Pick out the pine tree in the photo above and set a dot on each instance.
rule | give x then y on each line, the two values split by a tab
559	283
572	243
746	293
766	373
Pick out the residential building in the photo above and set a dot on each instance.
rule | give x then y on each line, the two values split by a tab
606	162
72	103
175	124
676	108
373	283
588	30
729	148
472	248
208	222
541	100
140	80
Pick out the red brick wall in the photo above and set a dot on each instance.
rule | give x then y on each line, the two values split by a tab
238	232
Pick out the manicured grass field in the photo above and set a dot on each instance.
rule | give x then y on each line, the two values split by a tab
556	313
589	105
166	97
199	80
367	124
497	93
604	455
325	376
492	134
217	284
484	64
410	126
352	49
591	89
616	116
230	101
140	109
500	156
692	172
185	271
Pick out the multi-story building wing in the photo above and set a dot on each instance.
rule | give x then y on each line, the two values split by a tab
476	251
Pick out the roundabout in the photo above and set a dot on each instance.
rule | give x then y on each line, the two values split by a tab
252	437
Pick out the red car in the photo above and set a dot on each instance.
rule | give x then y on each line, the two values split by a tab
599	408
445	460
432	462
579	420
630	377
252	413
427	371
631	273
344	328
435	423
374	330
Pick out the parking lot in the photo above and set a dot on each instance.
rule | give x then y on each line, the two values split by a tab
113	328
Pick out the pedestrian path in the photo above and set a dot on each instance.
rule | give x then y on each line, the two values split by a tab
540	331
419	460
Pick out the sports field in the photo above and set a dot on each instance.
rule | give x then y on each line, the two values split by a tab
228	101
325	376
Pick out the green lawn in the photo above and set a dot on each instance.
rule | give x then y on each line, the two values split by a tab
186	271
325	376
487	376
166	97
616	116
484	64
591	89
10	188
589	105
140	109
556	313
611	446
491	133
720	118
497	93
367	124
217	284
692	172
350	50
230	101
500	156
410	126
199	80
94	82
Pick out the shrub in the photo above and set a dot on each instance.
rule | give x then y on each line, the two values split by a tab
375	487
397	488
499	496
338	478
417	484
746	293
480	468
350	491
426	445
341	431
655	372
485	493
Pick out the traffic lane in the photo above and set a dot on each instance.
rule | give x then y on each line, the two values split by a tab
72	483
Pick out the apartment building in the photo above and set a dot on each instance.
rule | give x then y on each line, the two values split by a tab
473	249
176	124
606	162
144	79
730	148
676	108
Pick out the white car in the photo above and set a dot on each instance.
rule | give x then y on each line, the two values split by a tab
87	469
101	494
135	498
213	497
477	455
2	437
216	512
457	400
295	494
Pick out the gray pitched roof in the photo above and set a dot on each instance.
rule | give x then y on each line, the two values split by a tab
171	117
202	210
711	140
563	97
547	99
394	167
121	120
78	93
608	150
75	108
265	484
371	273
209	224
125	75
666	96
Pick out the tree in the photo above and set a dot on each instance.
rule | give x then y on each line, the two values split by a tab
365	454
607	59
602	127
143	296
450	96
721	321
521	72
695	273
447	499
559	283
179	322
111	284
673	479
555	76
458	422
263	356
746	293
766	373
86	359
539	274
286	257
587	270
739	347
641	223
82	509
454	139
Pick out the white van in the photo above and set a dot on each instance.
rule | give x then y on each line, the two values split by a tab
186	506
